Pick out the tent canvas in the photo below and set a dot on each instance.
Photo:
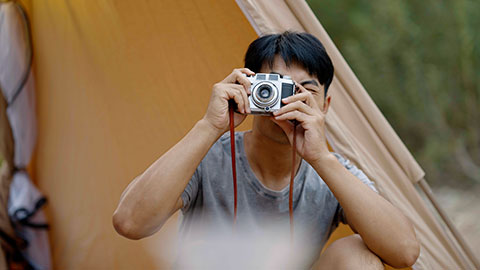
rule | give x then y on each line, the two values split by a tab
118	83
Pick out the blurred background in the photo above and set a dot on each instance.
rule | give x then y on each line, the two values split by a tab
420	62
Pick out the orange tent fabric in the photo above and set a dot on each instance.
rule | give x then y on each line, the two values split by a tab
118	83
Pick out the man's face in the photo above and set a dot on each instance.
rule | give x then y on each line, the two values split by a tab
299	74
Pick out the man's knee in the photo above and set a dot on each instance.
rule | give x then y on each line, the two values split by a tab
349	253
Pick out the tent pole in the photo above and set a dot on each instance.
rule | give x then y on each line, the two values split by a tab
428	191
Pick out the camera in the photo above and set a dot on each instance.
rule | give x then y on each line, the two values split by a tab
267	92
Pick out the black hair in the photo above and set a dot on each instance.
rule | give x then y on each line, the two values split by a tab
300	48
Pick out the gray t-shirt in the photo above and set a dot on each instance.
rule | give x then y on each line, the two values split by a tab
208	199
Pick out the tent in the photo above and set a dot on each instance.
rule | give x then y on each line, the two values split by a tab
119	82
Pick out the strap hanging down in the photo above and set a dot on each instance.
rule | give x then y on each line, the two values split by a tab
234	171
234	167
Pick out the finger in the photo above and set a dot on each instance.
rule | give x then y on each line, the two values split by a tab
301	95
305	97
236	73
242	79
246	71
311	101
295	106
246	101
293	115
234	94
243	93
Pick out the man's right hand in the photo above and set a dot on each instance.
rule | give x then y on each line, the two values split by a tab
234	87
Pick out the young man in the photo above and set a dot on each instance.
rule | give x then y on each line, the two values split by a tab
195	174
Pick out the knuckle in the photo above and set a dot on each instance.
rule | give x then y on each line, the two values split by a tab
217	87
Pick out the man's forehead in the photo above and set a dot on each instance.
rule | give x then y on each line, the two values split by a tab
293	69
302	79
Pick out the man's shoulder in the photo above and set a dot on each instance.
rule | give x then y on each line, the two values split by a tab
224	141
221	148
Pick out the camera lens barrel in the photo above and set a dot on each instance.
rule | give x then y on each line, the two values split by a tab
265	94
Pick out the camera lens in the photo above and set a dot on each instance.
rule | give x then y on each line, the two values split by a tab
265	92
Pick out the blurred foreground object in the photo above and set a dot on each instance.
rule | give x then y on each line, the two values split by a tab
28	247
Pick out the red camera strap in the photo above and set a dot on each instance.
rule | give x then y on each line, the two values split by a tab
234	172
234	167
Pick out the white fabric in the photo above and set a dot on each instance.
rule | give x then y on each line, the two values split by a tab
23	194
13	48
21	115
13	60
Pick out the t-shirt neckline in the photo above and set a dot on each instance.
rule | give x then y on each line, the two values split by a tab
256	183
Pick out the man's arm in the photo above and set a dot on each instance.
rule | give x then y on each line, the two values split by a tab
383	228
155	195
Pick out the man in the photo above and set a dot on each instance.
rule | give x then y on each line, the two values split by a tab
195	175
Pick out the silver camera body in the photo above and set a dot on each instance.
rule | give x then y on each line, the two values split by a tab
267	92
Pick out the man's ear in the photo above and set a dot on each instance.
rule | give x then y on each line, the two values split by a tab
326	103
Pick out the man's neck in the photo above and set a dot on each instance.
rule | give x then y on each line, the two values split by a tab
270	161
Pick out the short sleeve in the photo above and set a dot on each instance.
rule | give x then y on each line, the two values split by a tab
190	194
340	214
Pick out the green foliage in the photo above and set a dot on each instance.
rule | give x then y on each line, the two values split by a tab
420	62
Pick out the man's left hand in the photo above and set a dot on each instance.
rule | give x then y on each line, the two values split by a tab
310	131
